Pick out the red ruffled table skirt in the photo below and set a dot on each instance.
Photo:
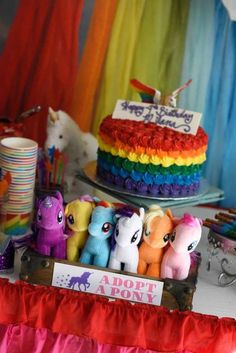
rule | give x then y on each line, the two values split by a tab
47	319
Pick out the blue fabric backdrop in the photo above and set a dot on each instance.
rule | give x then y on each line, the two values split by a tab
220	112
198	55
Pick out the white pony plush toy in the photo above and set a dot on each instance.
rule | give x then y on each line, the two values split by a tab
80	147
125	239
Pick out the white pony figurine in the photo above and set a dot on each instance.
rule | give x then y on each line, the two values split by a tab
80	147
125	239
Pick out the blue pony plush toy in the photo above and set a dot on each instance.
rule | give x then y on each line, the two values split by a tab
97	248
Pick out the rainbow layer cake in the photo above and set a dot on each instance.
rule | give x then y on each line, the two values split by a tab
148	159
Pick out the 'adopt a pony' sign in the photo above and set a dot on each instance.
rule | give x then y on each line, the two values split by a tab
177	119
109	284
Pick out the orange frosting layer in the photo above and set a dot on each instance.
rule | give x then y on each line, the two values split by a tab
150	139
151	151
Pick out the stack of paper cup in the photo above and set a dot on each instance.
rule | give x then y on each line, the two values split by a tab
18	156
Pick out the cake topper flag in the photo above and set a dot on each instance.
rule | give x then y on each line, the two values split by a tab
147	93
152	95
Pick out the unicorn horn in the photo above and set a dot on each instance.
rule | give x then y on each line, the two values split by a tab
148	94
52	115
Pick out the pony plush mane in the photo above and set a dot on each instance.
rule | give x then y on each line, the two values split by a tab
121	212
153	211
125	211
87	198
190	220
104	204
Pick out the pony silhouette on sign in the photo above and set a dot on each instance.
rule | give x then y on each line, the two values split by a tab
80	281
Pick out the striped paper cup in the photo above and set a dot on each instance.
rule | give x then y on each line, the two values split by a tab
18	156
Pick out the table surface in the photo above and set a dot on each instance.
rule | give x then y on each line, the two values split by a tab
209	297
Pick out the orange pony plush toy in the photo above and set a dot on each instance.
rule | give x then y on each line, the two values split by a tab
156	232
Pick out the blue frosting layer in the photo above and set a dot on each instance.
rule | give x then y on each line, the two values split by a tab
148	178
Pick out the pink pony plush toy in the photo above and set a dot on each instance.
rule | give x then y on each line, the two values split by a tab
50	224
184	239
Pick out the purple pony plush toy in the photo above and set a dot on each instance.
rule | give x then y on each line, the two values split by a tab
50	225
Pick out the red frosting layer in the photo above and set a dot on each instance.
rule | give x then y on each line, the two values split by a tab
136	133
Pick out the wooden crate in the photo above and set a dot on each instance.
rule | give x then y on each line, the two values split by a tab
38	269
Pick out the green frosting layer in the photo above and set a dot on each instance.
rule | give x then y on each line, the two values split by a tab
126	164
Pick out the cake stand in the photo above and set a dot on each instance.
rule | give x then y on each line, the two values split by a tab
208	194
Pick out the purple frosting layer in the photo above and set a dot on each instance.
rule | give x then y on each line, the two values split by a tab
168	190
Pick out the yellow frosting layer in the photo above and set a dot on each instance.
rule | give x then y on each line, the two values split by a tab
165	161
